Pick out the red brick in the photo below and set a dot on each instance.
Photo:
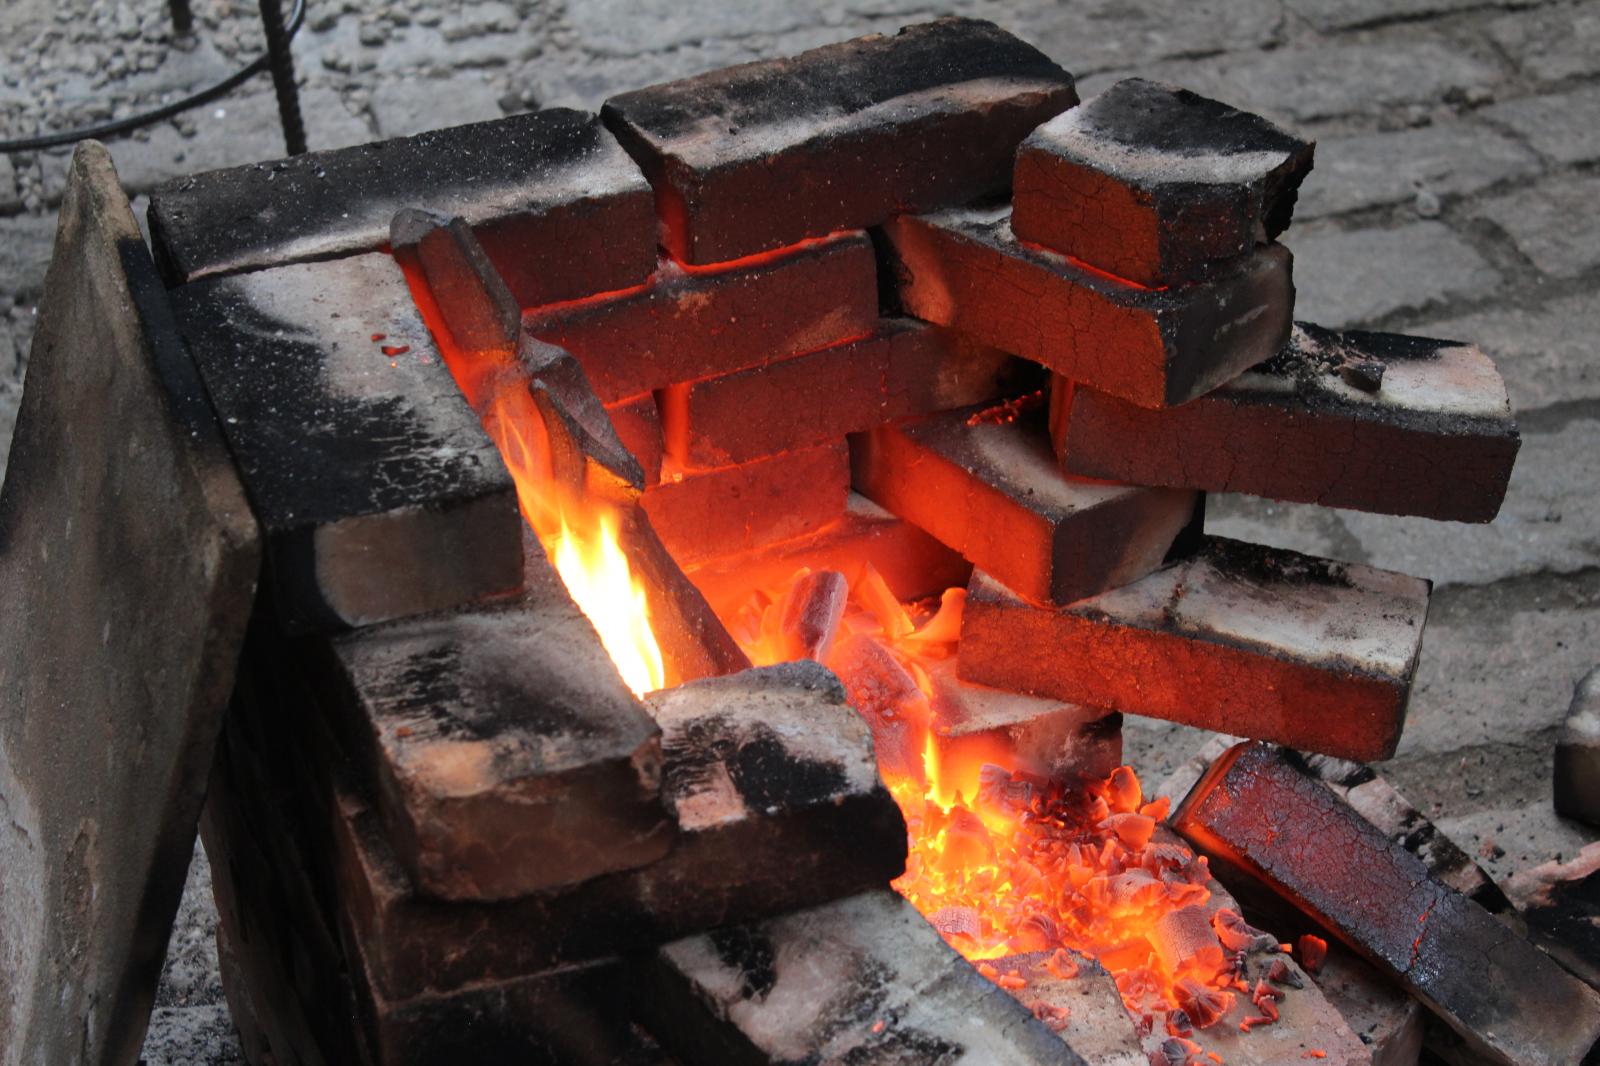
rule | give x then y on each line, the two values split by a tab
905	367
1239	639
1156	184
1436	440
638	426
765	154
737	508
687	323
990	489
1157	347
1259	814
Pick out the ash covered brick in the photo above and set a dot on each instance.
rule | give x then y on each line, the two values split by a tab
509	757
770	779
380	494
985	484
1435	438
1156	184
1577	765
557	204
865	980
904	368
965	269
1080	1002
765	154
704	515
686	323
479	313
1259	812
637	424
1253	641
911	563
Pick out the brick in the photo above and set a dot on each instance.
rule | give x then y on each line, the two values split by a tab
129	570
1156	184
765	154
637	424
904	368
479	314
1258	812
771	780
685	324
1249	640
864	980
378	491
1560	901
911	563
738	508
507	753
965	269
1577	759
1086	1007
989	488
1437	439
1389	1022
556	202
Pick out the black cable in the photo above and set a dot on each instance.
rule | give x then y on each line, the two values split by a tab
123	125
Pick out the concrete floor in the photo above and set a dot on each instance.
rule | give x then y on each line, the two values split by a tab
1458	168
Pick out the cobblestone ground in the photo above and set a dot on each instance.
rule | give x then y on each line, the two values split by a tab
1454	195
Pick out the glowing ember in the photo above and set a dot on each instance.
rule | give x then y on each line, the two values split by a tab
1004	861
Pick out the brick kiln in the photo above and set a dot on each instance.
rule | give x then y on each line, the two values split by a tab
681	523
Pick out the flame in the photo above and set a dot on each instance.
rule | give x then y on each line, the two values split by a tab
597	575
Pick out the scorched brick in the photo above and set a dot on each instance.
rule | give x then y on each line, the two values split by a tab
1242	639
1156	184
765	154
688	323
560	208
637	423
1259	812
965	269
380	494
1436	439
984	483
737	508
509	757
905	367
770	779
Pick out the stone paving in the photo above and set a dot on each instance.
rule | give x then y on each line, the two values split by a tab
1459	165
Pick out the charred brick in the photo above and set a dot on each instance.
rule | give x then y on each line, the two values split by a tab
1577	766
1156	184
637	423
685	323
1436	440
557	204
737	508
379	492
986	485
1260	813
1239	638
965	269
762	155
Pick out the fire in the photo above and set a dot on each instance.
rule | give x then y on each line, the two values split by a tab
597	575
1004	861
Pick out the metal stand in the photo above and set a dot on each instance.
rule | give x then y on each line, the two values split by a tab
294	128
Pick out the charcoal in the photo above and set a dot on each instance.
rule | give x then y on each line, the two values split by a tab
1238	638
965	269
378	490
984	483
1436	440
1264	816
766	154
1577	764
555	201
1156	184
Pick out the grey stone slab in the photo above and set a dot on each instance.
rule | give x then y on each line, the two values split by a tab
1551	43
10	199
1554	223
1546	354
1516	838
1105	34
380	493
1377	169
1333	15
1563	127
1354	277
25	242
129	558
409	106
232	131
192	1036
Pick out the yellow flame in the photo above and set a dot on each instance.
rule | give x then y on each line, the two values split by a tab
597	575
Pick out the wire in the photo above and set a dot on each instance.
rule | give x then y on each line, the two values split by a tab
122	125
